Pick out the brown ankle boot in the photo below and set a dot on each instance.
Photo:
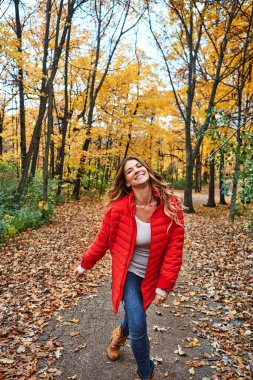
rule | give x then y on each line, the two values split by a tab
117	340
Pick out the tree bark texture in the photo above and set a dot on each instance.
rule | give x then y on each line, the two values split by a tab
2	112
211	192
20	80
221	182
66	116
198	168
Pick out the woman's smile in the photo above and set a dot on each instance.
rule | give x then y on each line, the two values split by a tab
139	176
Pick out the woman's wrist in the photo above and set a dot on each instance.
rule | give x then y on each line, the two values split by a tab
80	269
161	292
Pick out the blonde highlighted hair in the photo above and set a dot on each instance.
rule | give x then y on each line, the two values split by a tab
119	188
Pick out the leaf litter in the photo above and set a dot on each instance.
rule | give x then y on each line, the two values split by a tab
37	284
218	263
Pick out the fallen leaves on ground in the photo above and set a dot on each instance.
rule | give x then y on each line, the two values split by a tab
38	283
218	259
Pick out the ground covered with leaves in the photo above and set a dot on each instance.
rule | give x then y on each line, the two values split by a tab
218	261
37	281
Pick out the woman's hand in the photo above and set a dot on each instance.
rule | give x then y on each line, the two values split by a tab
79	272
160	299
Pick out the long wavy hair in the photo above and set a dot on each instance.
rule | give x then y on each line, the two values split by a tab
119	188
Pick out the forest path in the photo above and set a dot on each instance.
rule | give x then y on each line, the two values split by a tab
84	354
52	326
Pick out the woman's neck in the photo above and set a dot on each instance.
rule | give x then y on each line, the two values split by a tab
143	196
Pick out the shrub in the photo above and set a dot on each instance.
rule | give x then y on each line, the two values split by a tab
178	184
29	211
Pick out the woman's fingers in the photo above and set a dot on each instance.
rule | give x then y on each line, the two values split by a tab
77	275
159	299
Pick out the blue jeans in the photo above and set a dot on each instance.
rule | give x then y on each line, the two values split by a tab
134	323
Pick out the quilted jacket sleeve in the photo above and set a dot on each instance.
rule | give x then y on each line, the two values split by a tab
173	256
100	244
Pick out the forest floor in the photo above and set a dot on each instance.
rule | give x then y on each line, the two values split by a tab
55	328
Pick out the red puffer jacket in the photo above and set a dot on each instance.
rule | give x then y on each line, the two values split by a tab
118	234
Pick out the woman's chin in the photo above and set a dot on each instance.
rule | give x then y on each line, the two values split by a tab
142	183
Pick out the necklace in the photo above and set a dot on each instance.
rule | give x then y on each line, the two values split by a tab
149	205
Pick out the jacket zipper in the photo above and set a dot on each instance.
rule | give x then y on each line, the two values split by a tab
129	259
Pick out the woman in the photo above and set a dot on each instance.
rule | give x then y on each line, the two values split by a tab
143	229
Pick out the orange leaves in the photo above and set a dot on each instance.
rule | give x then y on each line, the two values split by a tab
39	281
219	264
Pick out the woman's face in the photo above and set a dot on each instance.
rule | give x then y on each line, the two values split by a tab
135	173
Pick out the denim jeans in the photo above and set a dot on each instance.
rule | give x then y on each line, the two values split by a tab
134	323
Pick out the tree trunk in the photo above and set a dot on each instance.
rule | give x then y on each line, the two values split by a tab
127	145
236	170
80	171
65	117
188	186
20	81
1	141
221	182
52	169
188	117
48	143
2	111
198	174
32	153
211	193
234	190
34	141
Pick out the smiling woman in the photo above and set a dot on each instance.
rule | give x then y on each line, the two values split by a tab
135	173
143	228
